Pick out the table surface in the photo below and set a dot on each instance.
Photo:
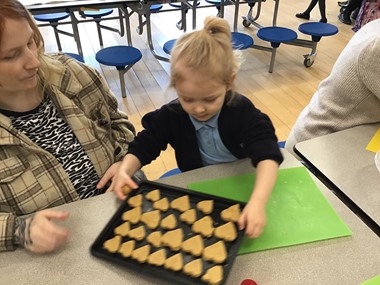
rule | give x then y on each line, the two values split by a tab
348	260
342	158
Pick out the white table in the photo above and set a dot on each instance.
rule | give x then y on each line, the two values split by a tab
343	163
347	261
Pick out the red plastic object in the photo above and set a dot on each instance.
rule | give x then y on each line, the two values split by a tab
248	282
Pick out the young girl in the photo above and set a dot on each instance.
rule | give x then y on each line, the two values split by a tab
209	123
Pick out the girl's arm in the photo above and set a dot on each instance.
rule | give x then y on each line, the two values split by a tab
253	217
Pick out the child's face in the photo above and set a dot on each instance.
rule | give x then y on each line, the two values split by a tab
200	95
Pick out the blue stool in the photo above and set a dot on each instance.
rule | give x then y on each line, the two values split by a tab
316	30
97	16
154	8
171	173
75	56
121	57
276	36
239	41
217	4
168	46
53	19
181	25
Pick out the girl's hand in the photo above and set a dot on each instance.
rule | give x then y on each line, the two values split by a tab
253	219
109	175
122	182
41	234
122	185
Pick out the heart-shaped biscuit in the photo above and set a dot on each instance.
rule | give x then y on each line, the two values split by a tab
135	201
157	258
194	268
216	252
189	216
153	195
113	244
231	214
151	219
193	245
169	222
204	226
214	275
137	233
127	248
206	206
123	229
141	254
162	204
126	190
154	239
132	215
173	239
174	262
181	204
226	232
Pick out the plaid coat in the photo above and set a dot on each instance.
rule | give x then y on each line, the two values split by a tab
31	178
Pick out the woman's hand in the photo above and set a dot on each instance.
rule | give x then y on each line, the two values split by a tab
253	219
40	234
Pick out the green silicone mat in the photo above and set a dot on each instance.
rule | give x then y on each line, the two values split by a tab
297	212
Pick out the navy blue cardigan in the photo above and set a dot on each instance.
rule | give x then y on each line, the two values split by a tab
244	130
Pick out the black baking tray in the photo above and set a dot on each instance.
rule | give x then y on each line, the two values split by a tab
171	192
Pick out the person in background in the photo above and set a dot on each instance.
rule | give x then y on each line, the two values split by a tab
322	10
346	11
209	123
60	132
349	96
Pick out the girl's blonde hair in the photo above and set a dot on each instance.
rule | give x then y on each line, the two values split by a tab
208	50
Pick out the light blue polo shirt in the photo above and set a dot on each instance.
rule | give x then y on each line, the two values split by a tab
211	147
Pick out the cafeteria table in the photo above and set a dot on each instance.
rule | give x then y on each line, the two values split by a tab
342	162
69	6
349	260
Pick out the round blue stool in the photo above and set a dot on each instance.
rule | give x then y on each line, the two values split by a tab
75	56
53	19
168	46
276	36
171	172
316	30
121	57
217	4
97	16
241	41
155	8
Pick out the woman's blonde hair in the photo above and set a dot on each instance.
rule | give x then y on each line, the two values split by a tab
208	50
13	9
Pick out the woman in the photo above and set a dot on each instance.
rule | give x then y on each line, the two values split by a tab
60	132
349	96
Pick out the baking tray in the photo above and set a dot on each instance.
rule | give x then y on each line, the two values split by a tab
171	192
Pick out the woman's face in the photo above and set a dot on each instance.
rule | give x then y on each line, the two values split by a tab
200	95
18	58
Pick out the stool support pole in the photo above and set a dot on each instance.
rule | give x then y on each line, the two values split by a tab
274	51
122	80
74	23
122	83
56	33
